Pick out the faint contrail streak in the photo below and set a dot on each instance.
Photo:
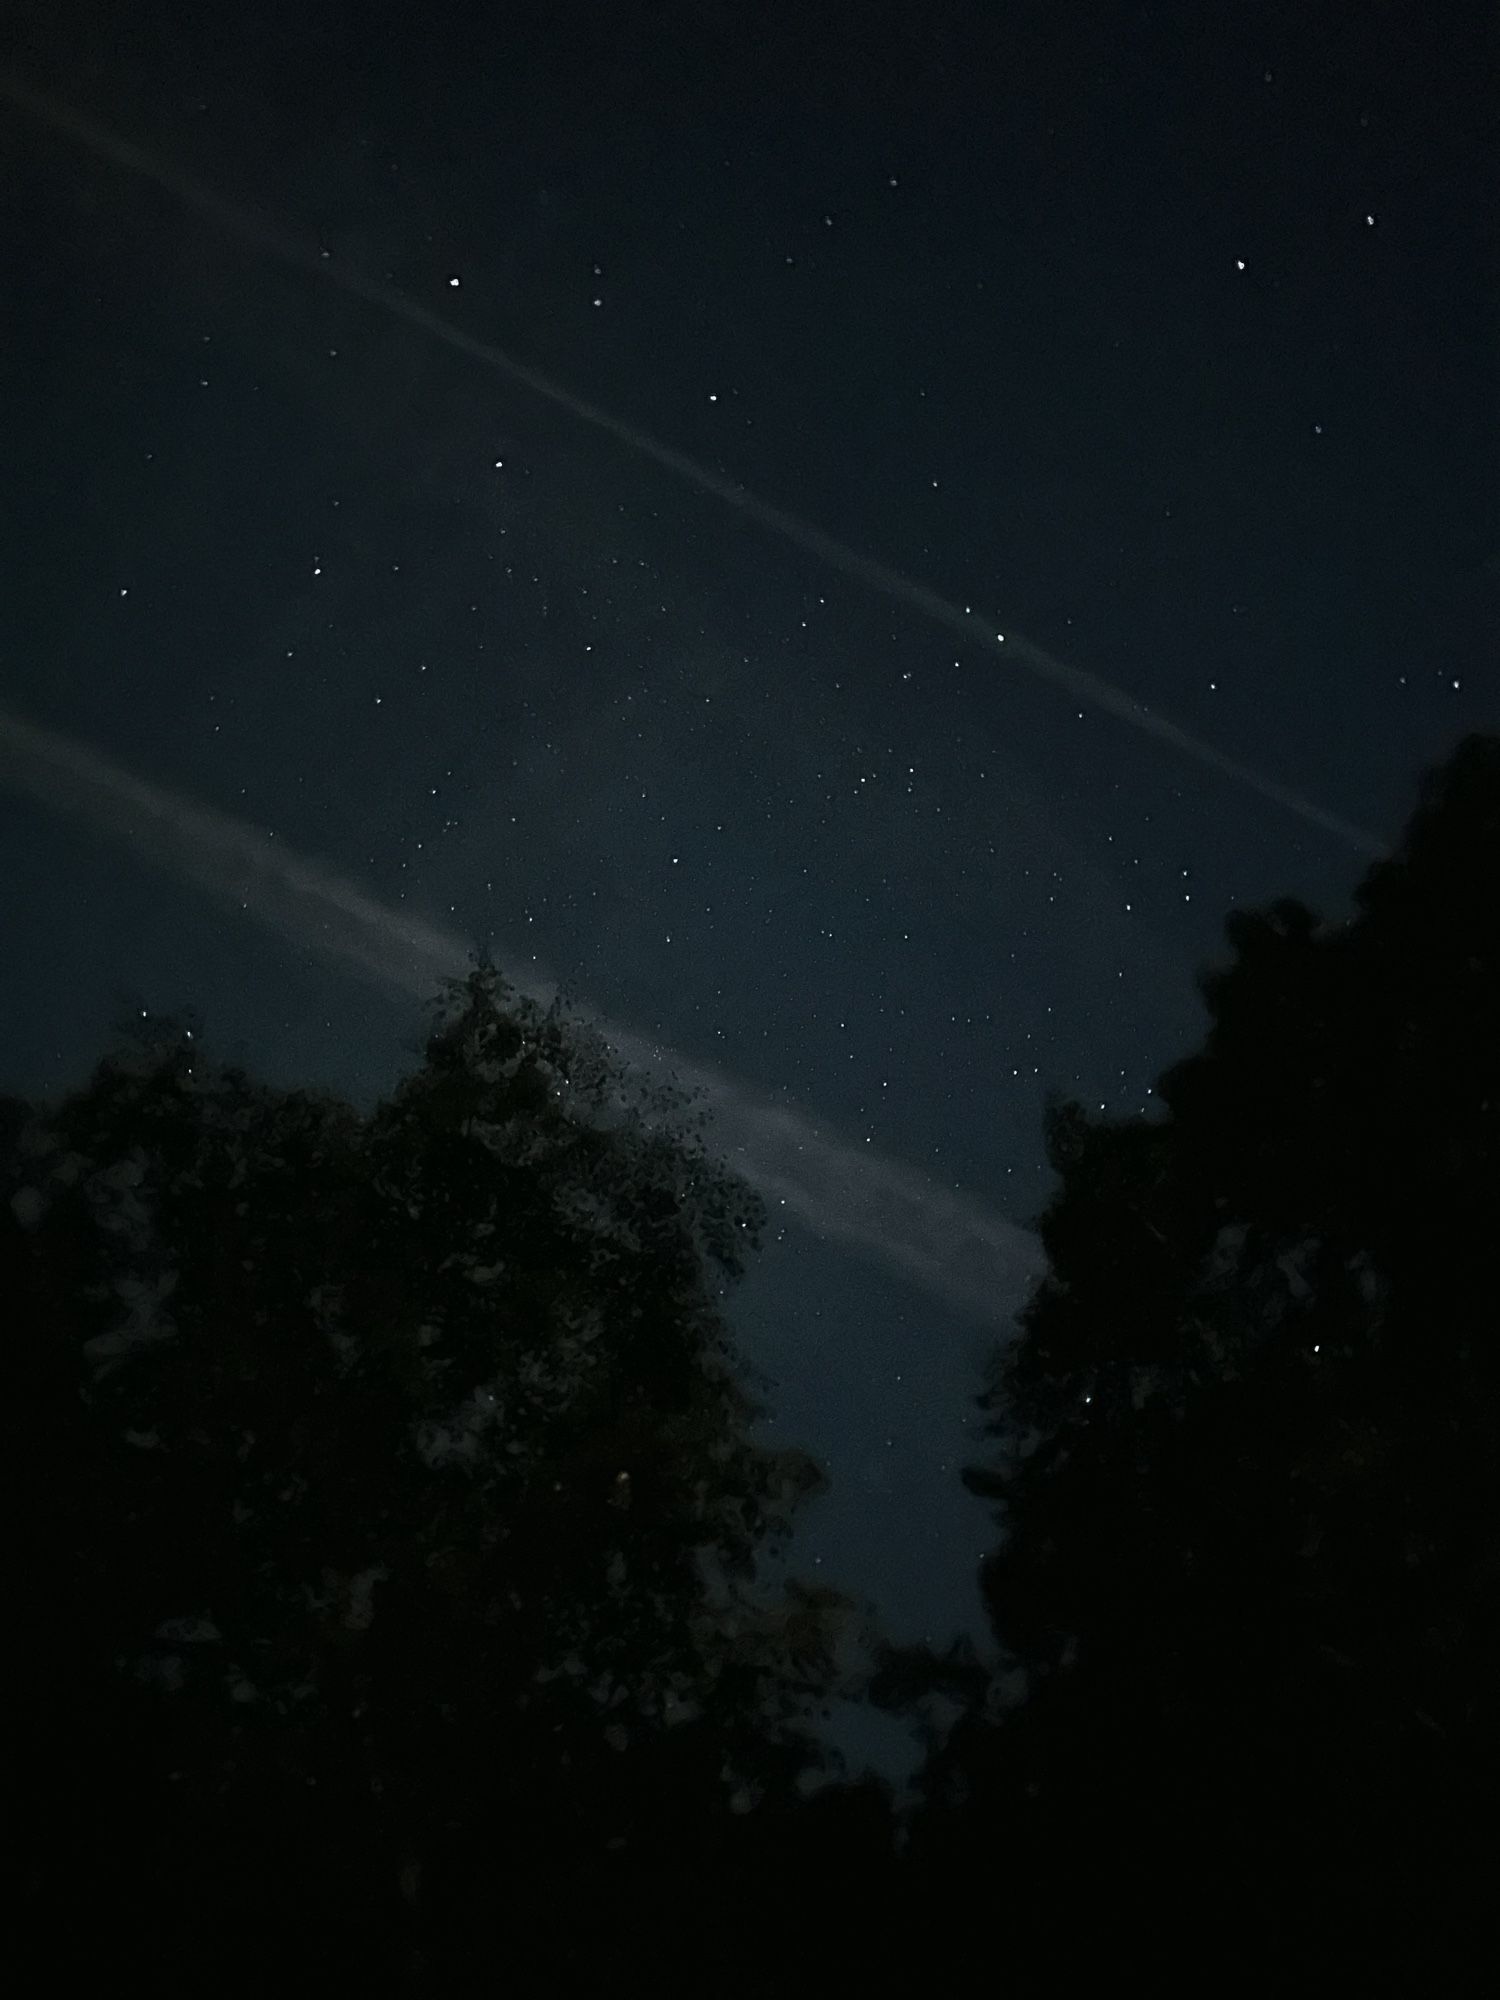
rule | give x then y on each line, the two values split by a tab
949	1245
974	630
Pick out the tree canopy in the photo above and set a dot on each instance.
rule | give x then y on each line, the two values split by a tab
1246	1463
395	1540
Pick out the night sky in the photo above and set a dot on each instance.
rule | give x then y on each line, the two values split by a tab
1161	338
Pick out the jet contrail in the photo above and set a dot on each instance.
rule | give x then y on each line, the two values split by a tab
947	1244
970	627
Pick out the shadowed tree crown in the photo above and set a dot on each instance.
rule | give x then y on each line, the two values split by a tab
391	1477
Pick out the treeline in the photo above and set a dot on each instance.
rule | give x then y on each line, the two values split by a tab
400	1587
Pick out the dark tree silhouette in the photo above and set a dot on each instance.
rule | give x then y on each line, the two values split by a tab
1247	1462
391	1528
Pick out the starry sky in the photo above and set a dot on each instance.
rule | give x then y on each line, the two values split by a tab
1159	338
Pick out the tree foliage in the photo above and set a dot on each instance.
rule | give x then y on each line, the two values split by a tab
395	1538
1246	1461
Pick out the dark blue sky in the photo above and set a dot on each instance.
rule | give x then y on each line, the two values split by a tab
1164	336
